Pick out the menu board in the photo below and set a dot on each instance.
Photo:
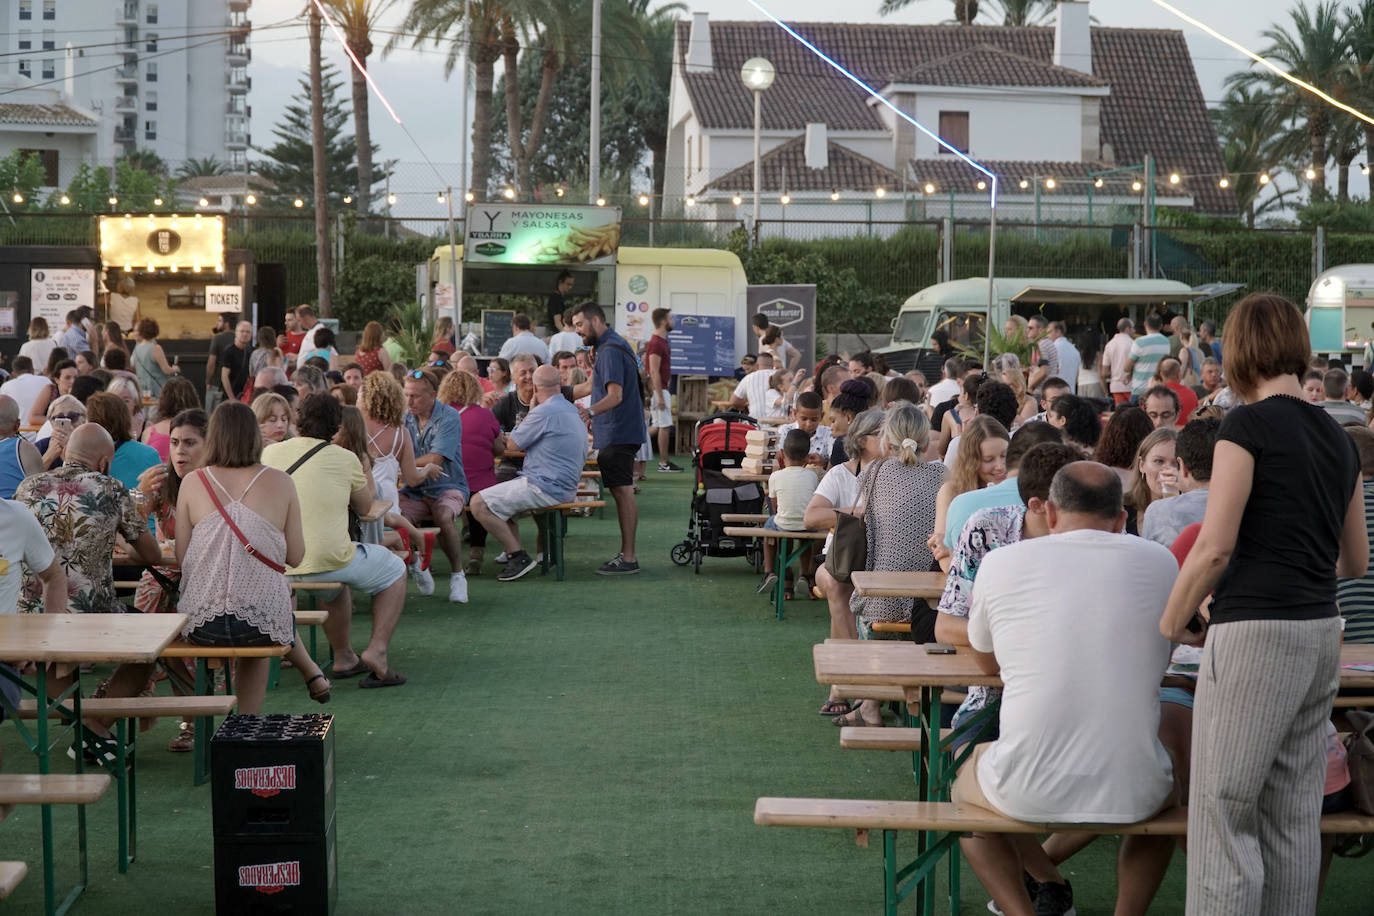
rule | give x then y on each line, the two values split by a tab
541	234
55	291
702	345
496	330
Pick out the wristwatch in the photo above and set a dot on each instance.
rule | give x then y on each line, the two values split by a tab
591	411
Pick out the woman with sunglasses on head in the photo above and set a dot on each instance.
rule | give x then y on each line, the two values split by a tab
64	415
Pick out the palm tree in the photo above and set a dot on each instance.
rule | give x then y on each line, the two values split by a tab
1345	143
656	28
437	21
145	160
1315	51
965	11
201	168
1025	12
1255	139
1359	25
358	19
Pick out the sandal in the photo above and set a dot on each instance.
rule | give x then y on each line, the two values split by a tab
836	708
855	720
185	739
321	696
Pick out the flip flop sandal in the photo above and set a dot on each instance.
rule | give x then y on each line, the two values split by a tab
345	673
836	708
392	679
323	695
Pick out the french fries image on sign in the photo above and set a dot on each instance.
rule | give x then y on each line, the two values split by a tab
577	244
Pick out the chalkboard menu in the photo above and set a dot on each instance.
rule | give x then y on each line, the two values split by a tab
496	330
702	345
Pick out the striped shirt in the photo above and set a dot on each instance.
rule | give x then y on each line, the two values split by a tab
1356	596
1147	351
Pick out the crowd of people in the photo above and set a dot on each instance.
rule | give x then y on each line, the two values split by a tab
1093	513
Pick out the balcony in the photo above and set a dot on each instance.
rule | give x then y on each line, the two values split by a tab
238	82
236	140
124	134
126	14
129	48
126	74
240	4
239	52
125	104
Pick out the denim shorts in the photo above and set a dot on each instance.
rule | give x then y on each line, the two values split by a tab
1176	695
372	569
228	631
9	689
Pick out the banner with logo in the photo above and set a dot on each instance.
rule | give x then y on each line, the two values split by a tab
541	234
161	242
55	291
791	307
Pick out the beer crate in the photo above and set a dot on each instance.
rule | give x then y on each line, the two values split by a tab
273	776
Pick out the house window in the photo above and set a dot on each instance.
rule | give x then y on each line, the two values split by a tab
50	10
152	14
49	70
48	159
151	73
25	9
150	101
689	157
25	39
151	44
701	144
49	44
25	68
954	130
149	130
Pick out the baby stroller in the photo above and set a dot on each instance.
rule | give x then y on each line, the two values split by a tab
720	445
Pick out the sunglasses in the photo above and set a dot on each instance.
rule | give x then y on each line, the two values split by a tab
69	416
416	373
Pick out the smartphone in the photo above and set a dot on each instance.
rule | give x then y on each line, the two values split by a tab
63	424
939	648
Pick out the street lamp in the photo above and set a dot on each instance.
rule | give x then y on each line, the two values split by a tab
757	75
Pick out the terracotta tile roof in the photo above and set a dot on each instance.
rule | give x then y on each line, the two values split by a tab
226	184
951	174
846	170
985	65
1155	106
51	115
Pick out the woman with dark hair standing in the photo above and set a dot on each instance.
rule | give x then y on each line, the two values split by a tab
1120	440
1285	517
234	595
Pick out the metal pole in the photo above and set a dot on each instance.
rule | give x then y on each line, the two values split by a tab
594	153
992	281
757	95
452	267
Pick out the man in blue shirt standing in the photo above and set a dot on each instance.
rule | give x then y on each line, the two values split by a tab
436	433
617	419
554	440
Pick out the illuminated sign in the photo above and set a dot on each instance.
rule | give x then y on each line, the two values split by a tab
163	242
538	234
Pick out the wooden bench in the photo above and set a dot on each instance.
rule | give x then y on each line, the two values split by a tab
554	520
868	738
743	518
950	820
11	875
791	545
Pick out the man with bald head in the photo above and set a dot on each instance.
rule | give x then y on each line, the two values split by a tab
18	457
233	362
467	364
554	440
1066	620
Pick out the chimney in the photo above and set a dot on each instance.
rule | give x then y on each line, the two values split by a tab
1073	37
817	155
699	45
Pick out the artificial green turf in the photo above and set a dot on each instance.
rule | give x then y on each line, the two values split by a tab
590	746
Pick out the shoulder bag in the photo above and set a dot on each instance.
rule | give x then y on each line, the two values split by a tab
252	551
355	524
1359	748
849	547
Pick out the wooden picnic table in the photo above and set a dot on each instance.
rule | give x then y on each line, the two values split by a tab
898	584
740	475
73	639
122	557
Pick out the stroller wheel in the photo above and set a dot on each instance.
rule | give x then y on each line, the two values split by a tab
681	553
696	560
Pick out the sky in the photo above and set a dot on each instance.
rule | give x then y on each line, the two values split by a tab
427	102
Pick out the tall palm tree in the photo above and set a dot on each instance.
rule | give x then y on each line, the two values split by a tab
487	21
1314	50
199	168
1025	12
1359	30
965	11
359	18
656	28
1346	142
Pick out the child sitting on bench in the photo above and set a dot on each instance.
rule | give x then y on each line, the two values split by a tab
790	489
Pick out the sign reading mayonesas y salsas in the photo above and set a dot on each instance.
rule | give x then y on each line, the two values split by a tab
539	234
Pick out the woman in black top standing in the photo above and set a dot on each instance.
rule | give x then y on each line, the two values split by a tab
1284	519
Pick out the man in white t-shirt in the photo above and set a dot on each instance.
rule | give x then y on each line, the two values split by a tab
24	548
947	387
751	393
1116	361
1070	621
1070	360
25	385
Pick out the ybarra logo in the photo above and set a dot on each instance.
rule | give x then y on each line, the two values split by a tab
270	879
265	782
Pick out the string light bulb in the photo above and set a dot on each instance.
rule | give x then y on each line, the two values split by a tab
298	203
1098	182
391	199
1224	183
982	185
508	193
929	188
1051	184
1136	186
441	197
559	191
1364	169
251	200
157	201
113	201
1310	174
737	200
601	201
644	200
691	201
469	196
348	198
64	200
1264	178
880	191
1175	178
204	202
18	198
785	199
1024	184
834	194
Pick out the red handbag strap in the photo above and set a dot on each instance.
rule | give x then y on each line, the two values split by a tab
252	552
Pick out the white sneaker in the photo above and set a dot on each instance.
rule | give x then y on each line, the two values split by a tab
539	557
458	588
501	558
424	579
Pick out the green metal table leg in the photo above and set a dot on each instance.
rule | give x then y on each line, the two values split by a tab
890	895
561	524
780	570
205	686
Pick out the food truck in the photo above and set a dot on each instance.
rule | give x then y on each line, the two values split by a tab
1340	313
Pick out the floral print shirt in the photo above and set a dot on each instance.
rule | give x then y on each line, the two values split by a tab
81	511
985	531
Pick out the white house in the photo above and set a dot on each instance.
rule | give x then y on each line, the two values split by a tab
1047	109
45	122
